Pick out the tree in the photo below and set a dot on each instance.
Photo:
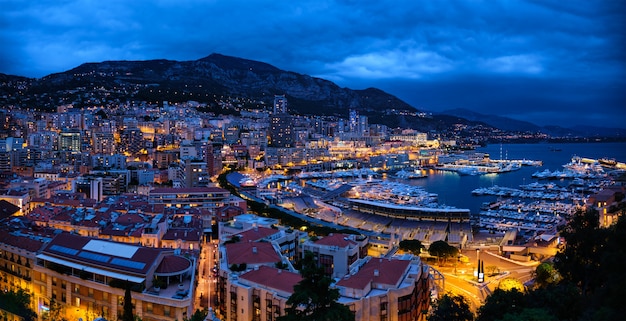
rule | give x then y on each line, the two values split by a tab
451	307
413	246
511	283
580	261
313	298
499	303
197	316
18	303
56	311
127	314
546	274
442	250
492	269
530	314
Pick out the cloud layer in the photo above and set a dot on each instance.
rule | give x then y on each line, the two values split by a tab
543	61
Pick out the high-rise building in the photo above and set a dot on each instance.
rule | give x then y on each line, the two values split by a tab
281	134
196	173
280	104
103	143
131	140
353	122
70	141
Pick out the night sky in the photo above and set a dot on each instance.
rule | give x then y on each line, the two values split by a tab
556	62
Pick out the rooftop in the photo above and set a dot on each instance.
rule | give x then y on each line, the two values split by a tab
267	276
257	233
251	253
101	253
377	271
340	240
169	190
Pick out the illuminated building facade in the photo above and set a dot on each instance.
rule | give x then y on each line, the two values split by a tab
87	277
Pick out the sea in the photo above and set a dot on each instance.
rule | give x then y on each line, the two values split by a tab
456	190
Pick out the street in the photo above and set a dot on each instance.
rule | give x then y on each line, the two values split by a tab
460	279
207	280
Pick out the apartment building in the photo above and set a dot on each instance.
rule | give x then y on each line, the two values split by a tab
387	289
88	276
337	253
208	197
374	289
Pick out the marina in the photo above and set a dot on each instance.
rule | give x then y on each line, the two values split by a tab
431	207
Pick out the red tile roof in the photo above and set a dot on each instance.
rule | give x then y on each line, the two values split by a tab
377	271
257	233
186	234
268	276
21	242
169	190
251	253
173	264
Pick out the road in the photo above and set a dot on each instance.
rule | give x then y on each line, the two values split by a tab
207	281
459	279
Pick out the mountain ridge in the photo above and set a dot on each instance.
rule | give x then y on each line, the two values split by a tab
216	76
510	124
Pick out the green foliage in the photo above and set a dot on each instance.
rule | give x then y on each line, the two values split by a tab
238	267
511	283
594	260
197	316
501	302
127	314
442	250
581	259
313	298
545	274
593	284
18	303
562	300
56	312
233	239
159	283
530	314
451	307
413	246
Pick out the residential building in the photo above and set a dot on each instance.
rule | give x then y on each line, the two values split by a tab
337	253
87	277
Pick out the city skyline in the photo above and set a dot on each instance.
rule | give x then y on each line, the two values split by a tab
544	62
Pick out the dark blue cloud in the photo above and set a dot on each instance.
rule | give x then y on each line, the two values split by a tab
534	60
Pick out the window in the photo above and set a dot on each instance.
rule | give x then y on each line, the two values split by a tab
90	294
383	311
148	307
76	288
54	281
63	297
166	310
63	285
268	314
256	308
77	301
105	296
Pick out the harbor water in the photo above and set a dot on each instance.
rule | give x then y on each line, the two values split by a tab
456	190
